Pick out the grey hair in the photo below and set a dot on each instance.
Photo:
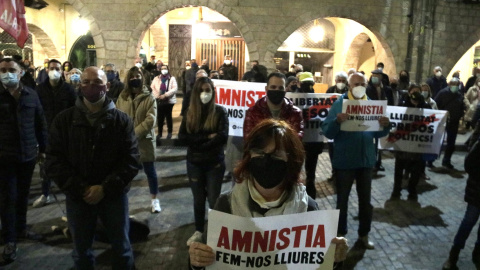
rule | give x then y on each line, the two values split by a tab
341	74
110	65
438	67
356	74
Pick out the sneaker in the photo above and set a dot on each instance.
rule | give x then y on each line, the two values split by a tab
41	201
196	237
10	252
156	206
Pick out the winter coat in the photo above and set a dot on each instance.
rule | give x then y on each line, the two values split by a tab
353	149
451	102
116	87
143	111
80	154
23	129
471	102
436	84
55	101
386	93
230	72
201	149
472	190
172	89
260	111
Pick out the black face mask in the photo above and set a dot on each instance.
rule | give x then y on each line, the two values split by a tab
294	87
394	86
275	96
416	96
267	171
135	83
215	77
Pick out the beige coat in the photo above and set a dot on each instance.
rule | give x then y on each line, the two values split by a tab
143	111
471	101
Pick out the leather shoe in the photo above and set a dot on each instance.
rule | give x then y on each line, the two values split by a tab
363	242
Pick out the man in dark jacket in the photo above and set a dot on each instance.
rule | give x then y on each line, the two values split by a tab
190	77
22	128
55	95
230	72
274	105
451	100
93	157
437	82
43	74
471	80
340	86
114	85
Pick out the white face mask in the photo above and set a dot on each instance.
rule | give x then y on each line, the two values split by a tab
425	94
164	71
54	75
205	97
188	67
380	68
227	62
359	91
340	85
438	74
138	65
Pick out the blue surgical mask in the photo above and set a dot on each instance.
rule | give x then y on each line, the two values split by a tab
454	88
75	78
375	80
9	79
111	76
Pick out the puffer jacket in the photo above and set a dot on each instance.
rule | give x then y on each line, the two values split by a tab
23	129
201	149
260	111
471	102
472	190
353	149
80	154
143	111
54	102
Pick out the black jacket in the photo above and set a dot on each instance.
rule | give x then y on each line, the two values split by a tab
436	84
55	101
230	72
386	93
472	190
23	130
116	87
201	149
453	103
80	154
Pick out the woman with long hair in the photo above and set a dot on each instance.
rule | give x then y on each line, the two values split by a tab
164	87
204	129
136	101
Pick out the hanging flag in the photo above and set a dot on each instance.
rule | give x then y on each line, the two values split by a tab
12	20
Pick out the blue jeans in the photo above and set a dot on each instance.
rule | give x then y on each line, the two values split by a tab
345	178
15	180
206	183
149	169
82	220
469	220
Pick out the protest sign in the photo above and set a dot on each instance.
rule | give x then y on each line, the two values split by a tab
298	241
315	108
415	130
363	114
12	20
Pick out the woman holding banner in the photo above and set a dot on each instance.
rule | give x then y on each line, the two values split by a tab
267	183
205	131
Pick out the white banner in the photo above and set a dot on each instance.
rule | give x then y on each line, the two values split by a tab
299	241
364	114
315	108
415	130
237	97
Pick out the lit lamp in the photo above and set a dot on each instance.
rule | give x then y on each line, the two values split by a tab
316	33
80	26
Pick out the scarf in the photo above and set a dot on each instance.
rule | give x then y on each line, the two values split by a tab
163	86
295	202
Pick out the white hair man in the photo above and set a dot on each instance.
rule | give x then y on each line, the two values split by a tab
340	86
437	82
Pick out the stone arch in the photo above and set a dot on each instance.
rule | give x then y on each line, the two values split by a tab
372	23
455	55
354	50
44	40
162	8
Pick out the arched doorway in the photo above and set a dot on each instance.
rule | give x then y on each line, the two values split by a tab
83	53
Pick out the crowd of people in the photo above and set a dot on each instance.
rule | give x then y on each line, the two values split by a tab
91	133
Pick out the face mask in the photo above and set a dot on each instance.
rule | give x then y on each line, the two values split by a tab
66	68
294	87
359	91
375	80
267	171
215	77
227	62
425	94
416	96
380	68
94	92
403	77
9	79
205	97
135	83
454	88
188	67
438	74
54	75
111	76
138	65
164	72
75	78
45	65
340	85
275	96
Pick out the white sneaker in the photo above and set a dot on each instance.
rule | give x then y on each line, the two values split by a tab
41	201
196	237
156	206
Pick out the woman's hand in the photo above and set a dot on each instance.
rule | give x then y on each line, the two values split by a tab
200	254
341	249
